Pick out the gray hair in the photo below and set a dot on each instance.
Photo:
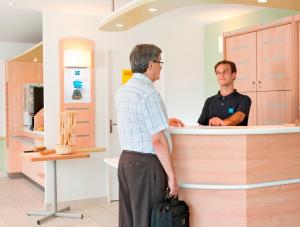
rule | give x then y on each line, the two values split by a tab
141	55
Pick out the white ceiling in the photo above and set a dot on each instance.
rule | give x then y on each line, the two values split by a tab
22	21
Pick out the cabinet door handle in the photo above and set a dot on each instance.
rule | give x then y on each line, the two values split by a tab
253	82
259	82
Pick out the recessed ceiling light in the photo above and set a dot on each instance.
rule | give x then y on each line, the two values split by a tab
10	3
262	1
119	25
152	9
35	60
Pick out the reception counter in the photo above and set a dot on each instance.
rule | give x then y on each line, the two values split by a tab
239	176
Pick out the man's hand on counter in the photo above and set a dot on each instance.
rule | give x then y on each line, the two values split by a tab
175	122
233	120
215	121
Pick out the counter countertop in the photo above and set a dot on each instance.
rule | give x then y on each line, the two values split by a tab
236	130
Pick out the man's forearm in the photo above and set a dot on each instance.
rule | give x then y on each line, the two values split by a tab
234	119
161	148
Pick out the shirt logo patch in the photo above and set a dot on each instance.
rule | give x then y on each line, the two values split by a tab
230	110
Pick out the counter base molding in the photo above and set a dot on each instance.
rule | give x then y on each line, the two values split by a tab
247	180
264	207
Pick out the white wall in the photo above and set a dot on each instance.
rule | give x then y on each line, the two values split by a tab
77	179
8	51
183	87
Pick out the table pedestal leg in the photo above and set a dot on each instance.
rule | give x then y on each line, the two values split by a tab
54	212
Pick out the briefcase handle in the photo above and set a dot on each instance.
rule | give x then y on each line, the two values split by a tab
168	195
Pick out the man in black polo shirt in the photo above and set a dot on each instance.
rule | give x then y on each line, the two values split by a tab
228	107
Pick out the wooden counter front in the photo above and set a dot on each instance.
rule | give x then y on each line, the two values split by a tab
248	165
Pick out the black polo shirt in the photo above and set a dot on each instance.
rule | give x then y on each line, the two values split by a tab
224	106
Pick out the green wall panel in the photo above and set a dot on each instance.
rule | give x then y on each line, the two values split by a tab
213	31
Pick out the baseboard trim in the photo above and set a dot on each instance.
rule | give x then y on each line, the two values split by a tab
15	175
21	175
79	203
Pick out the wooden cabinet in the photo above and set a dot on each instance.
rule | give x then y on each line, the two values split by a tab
264	60
252	120
241	49
274	58
275	107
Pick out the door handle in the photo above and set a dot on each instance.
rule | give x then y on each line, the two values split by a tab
111	124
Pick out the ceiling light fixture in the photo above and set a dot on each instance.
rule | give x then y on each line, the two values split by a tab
35	60
152	9
262	1
119	25
10	3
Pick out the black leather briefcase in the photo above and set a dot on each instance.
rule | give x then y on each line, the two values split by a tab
171	213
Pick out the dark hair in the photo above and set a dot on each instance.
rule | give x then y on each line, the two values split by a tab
141	55
225	62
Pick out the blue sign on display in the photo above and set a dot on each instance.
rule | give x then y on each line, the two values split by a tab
77	85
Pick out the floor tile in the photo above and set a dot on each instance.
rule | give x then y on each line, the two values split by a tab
18	196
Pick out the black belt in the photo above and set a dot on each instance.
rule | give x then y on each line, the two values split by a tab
136	152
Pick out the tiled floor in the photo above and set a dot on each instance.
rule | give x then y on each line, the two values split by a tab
17	196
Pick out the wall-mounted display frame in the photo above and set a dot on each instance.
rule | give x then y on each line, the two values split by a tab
77	86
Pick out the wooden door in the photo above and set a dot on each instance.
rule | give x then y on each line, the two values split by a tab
274	107
253	110
274	58
241	49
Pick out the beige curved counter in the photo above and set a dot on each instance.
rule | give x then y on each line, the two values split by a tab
236	130
239	176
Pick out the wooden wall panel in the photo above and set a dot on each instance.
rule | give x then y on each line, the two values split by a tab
85	111
223	159
196	160
264	207
273	157
298	73
17	74
216	208
274	206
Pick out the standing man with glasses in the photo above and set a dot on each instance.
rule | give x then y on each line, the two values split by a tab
145	169
228	107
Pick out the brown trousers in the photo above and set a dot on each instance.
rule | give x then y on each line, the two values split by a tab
142	184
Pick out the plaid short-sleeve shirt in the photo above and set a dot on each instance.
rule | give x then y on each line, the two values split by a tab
140	114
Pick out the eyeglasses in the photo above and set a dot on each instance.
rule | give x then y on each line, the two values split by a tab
226	71
160	62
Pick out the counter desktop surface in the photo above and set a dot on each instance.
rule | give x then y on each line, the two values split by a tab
245	176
